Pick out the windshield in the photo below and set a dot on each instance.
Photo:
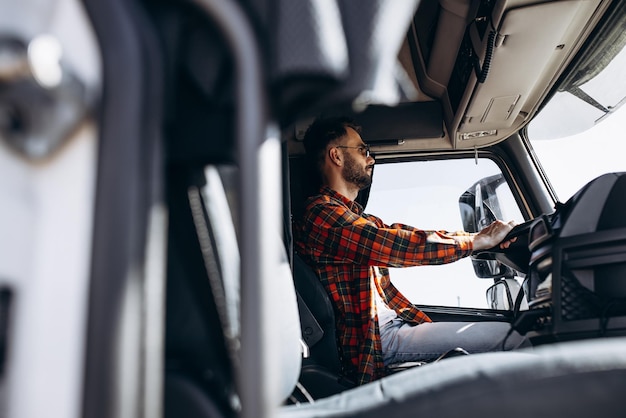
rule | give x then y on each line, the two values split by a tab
579	134
571	162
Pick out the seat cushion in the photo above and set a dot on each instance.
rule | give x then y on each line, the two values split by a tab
576	379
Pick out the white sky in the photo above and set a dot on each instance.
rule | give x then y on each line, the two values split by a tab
571	162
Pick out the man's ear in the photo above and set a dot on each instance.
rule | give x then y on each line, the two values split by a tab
335	156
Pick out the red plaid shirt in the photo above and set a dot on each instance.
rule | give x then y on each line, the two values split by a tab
350	252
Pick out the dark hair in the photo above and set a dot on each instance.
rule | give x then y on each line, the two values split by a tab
323	131
318	135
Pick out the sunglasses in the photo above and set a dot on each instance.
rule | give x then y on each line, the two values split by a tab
363	149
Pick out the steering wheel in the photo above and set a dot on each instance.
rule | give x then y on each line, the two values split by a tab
517	255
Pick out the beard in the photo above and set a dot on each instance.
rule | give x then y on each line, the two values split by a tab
353	173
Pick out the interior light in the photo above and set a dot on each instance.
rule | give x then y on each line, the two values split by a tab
478	134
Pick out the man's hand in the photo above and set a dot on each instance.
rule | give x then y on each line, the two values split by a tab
493	235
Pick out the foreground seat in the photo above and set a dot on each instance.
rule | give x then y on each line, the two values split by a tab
575	379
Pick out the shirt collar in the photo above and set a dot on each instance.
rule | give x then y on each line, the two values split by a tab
351	204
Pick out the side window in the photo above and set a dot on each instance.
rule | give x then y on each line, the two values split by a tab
425	194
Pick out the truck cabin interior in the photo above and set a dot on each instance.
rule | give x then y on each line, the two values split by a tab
229	89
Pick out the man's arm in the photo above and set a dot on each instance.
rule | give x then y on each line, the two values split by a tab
493	235
338	235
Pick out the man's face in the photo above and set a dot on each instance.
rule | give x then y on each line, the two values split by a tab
358	165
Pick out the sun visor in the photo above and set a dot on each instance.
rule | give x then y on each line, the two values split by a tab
408	120
382	124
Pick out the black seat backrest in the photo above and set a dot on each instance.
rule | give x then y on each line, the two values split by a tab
323	351
321	372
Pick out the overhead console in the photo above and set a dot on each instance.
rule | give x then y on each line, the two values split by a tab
479	70
490	62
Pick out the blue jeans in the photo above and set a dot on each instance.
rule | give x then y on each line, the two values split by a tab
402	341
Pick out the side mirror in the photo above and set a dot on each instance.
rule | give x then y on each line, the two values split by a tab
479	207
479	204
503	293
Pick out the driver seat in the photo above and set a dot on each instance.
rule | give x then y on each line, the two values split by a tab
321	372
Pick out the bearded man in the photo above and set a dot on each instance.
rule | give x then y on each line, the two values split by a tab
350	252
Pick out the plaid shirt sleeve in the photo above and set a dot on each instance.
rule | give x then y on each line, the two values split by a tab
341	235
350	251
